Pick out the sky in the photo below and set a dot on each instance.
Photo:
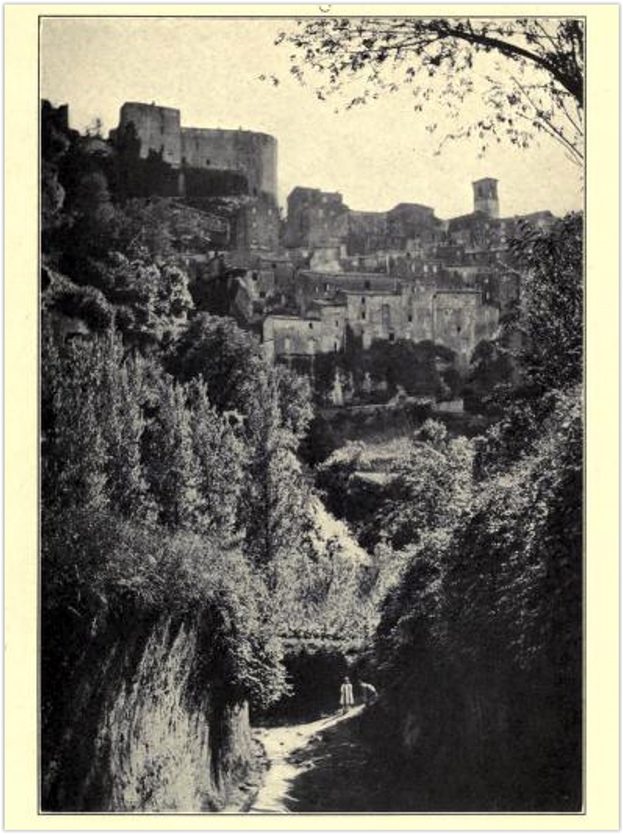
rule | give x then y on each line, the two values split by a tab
377	155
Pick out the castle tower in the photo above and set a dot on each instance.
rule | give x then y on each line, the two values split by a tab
486	196
158	129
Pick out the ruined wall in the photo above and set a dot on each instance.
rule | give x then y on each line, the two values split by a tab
258	224
297	336
252	154
158	129
320	219
315	219
460	321
411	221
367	232
198	182
454	318
392	316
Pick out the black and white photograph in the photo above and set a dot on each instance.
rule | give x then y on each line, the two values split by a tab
311	413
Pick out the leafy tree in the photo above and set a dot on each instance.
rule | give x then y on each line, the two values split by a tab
83	302
220	457
274	504
225	357
551	316
151	297
121	414
294	392
430	489
172	470
161	227
410	365
533	69
76	455
492	367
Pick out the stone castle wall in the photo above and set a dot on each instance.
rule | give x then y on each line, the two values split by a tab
252	155
158	128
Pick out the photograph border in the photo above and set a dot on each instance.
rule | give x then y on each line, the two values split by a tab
591	186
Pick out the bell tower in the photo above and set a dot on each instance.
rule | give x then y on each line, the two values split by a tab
486	196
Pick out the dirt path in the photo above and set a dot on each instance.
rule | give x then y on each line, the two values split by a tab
295	752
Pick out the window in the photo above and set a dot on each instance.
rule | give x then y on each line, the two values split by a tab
366	286
363	314
254	276
207	163
363	300
337	323
263	294
458	328
392	337
410	318
311	325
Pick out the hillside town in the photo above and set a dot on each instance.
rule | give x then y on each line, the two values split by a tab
324	273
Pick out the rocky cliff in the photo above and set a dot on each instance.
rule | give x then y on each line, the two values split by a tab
143	728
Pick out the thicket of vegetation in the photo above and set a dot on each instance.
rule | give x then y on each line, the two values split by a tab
171	480
378	372
479	650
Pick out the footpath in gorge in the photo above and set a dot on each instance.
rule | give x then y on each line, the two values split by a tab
321	766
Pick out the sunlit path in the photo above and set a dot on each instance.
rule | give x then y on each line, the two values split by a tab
281	745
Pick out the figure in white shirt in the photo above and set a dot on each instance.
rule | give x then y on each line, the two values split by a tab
346	695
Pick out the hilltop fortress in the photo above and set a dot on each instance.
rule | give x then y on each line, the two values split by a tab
326	272
159	130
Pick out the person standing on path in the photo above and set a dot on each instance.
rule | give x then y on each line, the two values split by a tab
346	695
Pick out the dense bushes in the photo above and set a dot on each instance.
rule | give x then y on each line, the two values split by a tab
479	650
160	501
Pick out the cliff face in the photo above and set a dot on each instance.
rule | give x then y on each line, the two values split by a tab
141	730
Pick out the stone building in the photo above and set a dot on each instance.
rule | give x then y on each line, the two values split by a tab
321	221
203	166
400	274
160	131
456	319
486	196
321	331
